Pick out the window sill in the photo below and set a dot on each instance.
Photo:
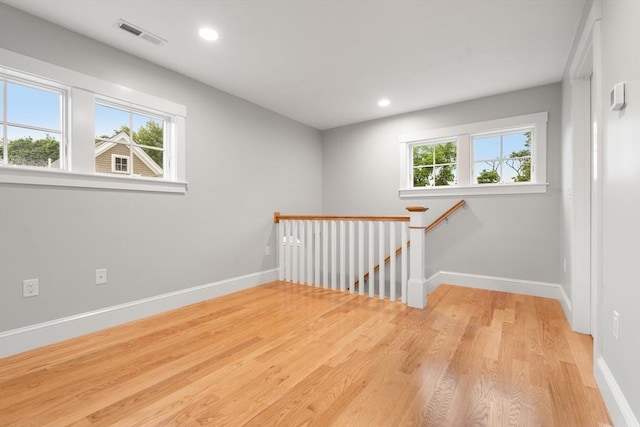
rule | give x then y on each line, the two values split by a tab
476	190
59	178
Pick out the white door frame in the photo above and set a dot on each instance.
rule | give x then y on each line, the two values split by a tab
585	70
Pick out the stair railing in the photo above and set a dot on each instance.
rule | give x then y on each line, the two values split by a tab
324	250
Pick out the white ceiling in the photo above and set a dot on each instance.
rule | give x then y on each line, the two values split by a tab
326	63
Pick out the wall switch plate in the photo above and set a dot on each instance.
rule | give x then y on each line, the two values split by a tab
267	251
30	288
101	276
616	325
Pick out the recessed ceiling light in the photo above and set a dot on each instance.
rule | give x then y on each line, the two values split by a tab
384	102
208	34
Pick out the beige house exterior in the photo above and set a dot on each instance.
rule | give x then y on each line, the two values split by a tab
113	156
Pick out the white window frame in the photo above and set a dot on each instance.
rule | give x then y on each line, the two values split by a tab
114	161
463	134
78	165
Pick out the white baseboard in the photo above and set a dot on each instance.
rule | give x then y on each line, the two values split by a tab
617	405
29	337
493	283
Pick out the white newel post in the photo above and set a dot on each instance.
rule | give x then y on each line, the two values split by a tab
417	285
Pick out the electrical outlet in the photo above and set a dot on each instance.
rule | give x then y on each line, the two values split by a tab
101	276
267	251
616	325
30	288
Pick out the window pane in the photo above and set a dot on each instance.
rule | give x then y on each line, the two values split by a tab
144	165
445	175
28	147
149	132
33	107
486	172
517	169
1	100
110	121
446	152
486	148
423	155
517	144
423	176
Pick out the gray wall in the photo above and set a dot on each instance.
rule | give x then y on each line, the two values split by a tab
243	163
620	288
513	236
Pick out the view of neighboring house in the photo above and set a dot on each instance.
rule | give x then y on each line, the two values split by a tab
113	156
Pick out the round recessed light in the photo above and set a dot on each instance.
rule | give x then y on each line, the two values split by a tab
208	34
384	102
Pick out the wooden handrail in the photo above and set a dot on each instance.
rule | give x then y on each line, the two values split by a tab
277	217
430	227
444	216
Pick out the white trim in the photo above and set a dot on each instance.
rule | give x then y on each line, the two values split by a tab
502	284
41	334
476	190
478	127
60	178
14	61
619	409
584	239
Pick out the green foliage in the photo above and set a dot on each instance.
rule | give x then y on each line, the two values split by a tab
488	177
432	164
30	152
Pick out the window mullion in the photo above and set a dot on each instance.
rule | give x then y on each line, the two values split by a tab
130	165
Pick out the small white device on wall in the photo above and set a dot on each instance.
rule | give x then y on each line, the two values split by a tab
616	97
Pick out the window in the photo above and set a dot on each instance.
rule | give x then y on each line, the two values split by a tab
119	164
127	134
59	127
434	163
504	156
31	122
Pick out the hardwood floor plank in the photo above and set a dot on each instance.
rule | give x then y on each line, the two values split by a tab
284	354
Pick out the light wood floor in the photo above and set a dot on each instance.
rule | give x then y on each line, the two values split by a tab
289	355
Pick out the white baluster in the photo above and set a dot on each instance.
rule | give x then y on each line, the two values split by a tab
343	257
325	254
392	261
301	251
403	260
287	237
361	257
381	258
295	246
352	250
334	255
281	250
316	252
309	252
372	243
